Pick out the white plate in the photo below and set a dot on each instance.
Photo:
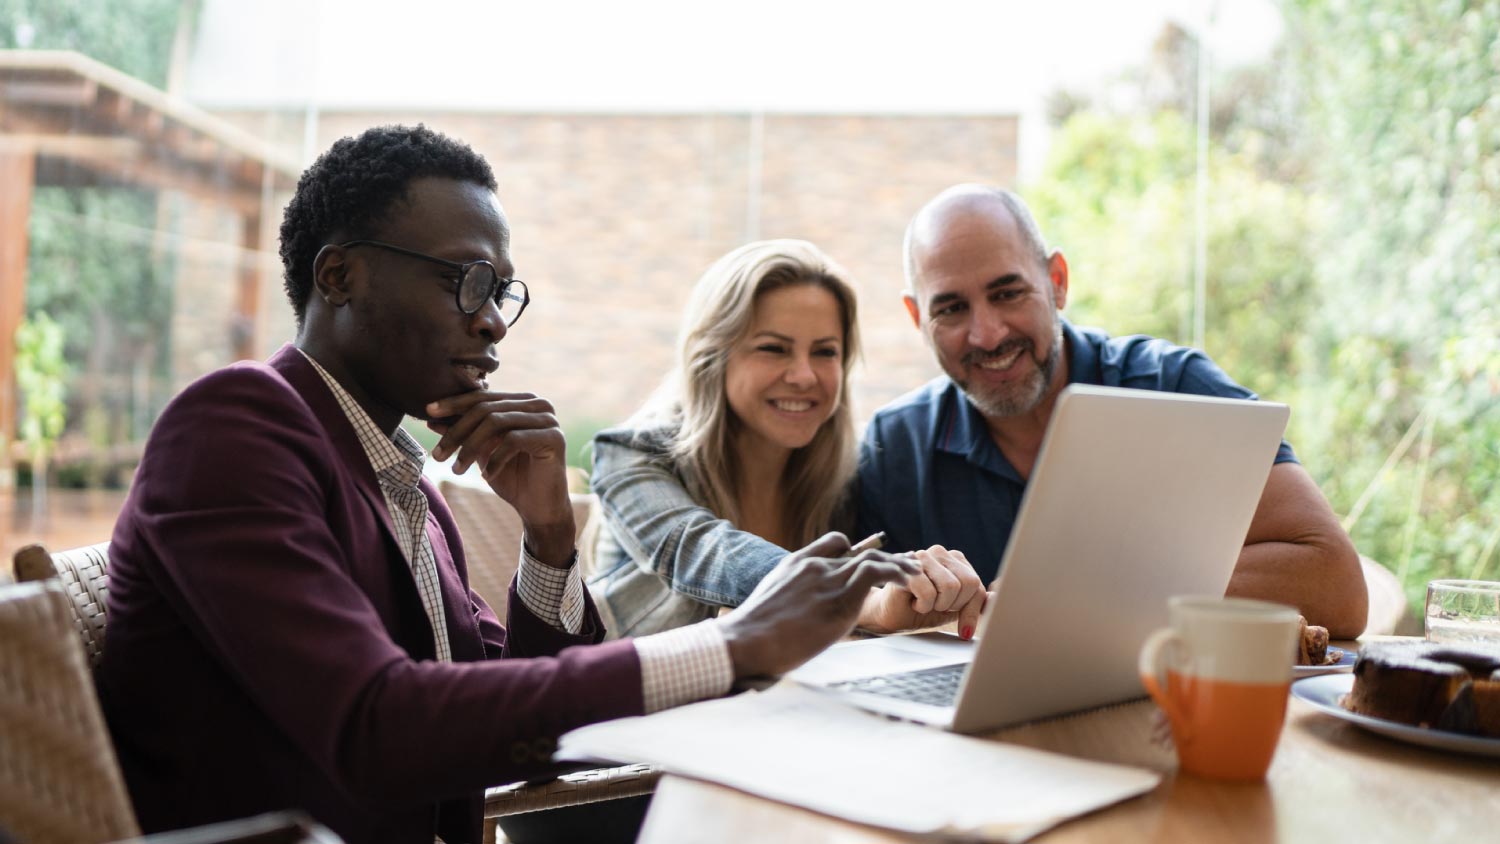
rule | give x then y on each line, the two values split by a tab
1343	664
1324	692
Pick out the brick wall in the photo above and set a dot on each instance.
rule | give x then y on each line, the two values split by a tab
615	216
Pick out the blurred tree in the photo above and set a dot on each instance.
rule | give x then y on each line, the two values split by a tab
134	36
1117	194
94	266
41	375
1116	197
1403	115
1354	252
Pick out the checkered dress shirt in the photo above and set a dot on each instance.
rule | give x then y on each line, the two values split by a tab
677	666
397	461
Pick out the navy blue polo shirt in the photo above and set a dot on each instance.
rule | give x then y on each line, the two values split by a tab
930	474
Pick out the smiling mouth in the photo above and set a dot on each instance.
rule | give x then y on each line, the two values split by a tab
1002	359
792	405
1001	363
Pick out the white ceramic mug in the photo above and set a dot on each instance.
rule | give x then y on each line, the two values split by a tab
1221	672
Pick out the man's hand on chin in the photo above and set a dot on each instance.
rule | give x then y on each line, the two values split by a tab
515	440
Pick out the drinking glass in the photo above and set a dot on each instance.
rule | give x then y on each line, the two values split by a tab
1463	611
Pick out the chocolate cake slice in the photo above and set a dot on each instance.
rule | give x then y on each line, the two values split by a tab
1426	684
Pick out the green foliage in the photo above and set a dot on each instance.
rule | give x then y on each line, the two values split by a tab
580	435
95	266
1117	198
41	374
92	266
134	36
425	436
90	249
1405	117
1353	257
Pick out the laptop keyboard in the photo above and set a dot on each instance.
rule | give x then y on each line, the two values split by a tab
935	686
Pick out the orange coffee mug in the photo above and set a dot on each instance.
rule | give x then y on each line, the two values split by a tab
1221	673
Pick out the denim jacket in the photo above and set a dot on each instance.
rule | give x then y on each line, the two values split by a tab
662	560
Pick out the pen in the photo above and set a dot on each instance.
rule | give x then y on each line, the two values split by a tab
869	543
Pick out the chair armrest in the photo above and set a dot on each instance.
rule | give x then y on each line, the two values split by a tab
269	828
573	789
33	563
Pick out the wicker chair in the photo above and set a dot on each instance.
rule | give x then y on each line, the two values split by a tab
59	781
59	777
491	530
270	828
575	789
84	576
1389	612
84	580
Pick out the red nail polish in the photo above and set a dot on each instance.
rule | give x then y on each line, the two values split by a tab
966	633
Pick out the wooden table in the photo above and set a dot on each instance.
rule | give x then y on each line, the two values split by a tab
1330	782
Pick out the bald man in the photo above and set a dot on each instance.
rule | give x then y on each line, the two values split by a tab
986	293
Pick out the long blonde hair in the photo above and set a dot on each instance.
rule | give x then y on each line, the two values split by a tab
693	401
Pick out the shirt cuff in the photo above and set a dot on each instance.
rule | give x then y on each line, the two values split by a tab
553	595
683	665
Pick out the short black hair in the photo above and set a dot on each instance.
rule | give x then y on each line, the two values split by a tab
352	187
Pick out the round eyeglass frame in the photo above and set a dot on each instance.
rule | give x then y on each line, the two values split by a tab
500	290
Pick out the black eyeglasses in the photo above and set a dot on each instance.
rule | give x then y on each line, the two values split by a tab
477	283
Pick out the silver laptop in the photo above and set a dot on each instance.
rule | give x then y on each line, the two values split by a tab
1136	496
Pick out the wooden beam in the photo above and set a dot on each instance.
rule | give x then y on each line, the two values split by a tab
199	182
17	171
205	151
123	162
47	64
40	121
100	148
67	92
130	117
221	177
247	316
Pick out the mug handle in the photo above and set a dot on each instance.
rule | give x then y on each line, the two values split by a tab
1154	678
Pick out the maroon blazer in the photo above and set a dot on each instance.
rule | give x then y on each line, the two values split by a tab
267	647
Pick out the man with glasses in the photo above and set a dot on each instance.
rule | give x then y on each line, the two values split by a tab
290	620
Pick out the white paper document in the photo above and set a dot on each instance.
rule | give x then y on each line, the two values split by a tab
797	746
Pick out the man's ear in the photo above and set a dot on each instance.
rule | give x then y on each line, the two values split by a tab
910	302
331	275
1057	271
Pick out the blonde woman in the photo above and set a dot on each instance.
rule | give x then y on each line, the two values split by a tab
746	450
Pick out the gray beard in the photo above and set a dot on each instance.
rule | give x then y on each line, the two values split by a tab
1025	396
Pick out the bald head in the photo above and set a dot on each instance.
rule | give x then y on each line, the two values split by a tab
985	291
960	211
